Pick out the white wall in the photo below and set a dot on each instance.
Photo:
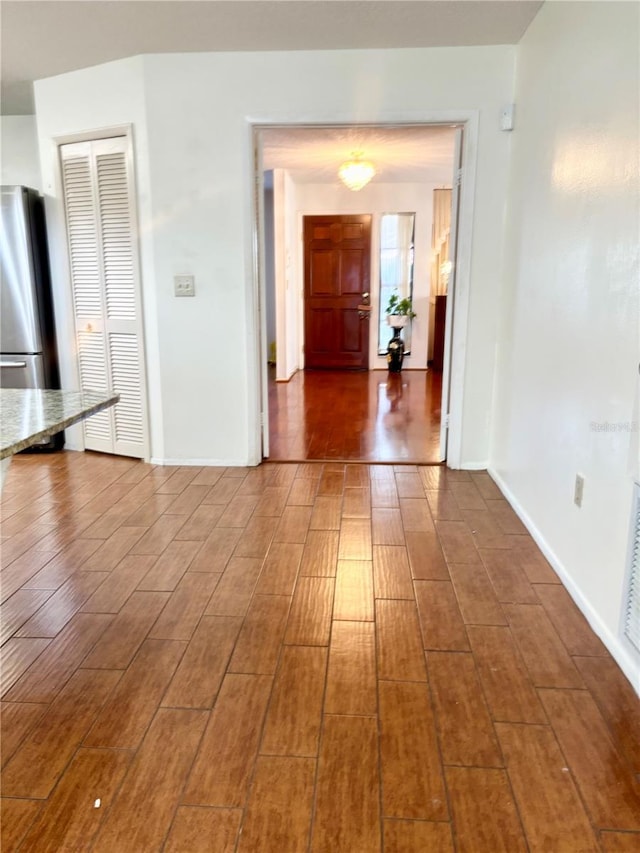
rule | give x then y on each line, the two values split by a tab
570	336
99	98
378	198
201	149
192	117
19	152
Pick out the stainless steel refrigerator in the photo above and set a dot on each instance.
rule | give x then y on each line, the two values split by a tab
28	353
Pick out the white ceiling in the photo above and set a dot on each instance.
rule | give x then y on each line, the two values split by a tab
42	38
399	154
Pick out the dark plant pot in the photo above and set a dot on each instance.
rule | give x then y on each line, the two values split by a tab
395	352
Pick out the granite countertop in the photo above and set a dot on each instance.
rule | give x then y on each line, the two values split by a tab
28	415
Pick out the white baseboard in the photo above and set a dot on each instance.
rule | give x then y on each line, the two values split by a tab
621	651
201	463
474	466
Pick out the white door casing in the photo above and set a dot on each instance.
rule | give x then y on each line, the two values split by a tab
261	303
451	294
467	120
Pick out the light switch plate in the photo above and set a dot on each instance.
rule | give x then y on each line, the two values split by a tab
184	285
507	116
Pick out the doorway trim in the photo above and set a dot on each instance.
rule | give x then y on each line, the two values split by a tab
469	119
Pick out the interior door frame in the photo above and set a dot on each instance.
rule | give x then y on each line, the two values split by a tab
469	119
452	290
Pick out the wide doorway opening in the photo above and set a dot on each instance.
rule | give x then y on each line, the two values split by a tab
327	392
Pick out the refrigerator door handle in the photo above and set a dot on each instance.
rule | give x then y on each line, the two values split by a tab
13	363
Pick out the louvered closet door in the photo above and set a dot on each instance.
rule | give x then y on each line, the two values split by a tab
98	205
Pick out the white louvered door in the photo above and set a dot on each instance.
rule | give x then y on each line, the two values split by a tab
97	185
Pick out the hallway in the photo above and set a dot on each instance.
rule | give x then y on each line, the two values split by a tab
330	658
356	416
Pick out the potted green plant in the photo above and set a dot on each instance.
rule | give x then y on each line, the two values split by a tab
399	311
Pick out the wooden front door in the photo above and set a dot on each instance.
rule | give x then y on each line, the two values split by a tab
337	258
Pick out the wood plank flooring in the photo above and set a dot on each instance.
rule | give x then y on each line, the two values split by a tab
333	657
371	416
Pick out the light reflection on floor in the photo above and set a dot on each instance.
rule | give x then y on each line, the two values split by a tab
372	416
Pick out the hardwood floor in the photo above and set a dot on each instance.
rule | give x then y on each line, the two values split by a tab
356	416
298	657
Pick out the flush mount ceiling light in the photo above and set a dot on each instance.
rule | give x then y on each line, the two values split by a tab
356	173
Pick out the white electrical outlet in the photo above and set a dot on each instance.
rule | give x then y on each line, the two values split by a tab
184	285
578	490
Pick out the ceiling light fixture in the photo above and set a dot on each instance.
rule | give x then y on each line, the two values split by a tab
356	173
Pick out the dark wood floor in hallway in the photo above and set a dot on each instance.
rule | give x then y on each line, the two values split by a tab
361	416
328	657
